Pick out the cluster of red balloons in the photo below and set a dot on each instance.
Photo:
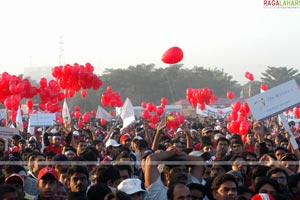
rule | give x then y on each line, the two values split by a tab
14	89
200	95
230	95
249	76
72	78
237	120
110	98
172	56
50	95
153	112
82	118
175	121
296	111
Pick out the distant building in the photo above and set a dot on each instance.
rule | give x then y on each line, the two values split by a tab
36	73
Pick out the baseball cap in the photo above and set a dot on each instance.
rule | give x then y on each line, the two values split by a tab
48	171
196	153
112	142
262	196
125	137
206	130
75	133
179	130
137	138
131	186
14	178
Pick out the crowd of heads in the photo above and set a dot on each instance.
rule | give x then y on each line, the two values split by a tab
199	160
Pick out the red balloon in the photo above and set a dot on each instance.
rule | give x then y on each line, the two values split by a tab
103	121
144	104
43	82
83	93
29	104
230	95
172	56
264	86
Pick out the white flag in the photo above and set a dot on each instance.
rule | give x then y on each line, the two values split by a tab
127	113
19	120
65	113
103	114
30	128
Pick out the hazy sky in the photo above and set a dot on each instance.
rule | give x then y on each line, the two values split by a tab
233	35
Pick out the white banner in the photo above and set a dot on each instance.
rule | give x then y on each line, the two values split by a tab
208	111
2	114
19	120
6	132
127	113
42	119
275	100
65	113
103	114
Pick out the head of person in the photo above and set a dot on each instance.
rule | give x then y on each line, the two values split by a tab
125	171
108	175
8	192
279	175
224	187
132	187
290	161
198	191
269	144
61	192
35	162
56	139
117	195
17	182
236	146
249	138
179	191
245	193
47	182
175	173
222	146
267	185
81	146
112	148
125	140
78	178
259	172
280	151
218	169
284	143
238	176
239	164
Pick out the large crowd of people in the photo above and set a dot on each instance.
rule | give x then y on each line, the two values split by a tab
201	159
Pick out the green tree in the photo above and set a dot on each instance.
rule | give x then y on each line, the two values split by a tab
277	75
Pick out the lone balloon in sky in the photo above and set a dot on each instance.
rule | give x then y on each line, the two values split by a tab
172	56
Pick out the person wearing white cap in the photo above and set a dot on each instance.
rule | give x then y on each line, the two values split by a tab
112	150
132	187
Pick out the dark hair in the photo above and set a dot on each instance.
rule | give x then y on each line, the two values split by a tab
269	140
4	189
119	195
245	153
244	189
197	186
259	171
265	181
78	169
222	139
274	170
106	172
124	167
220	179
170	192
